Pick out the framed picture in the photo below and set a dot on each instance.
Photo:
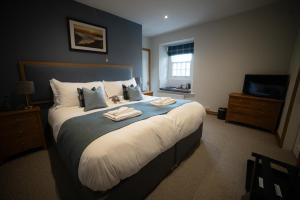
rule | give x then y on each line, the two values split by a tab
87	37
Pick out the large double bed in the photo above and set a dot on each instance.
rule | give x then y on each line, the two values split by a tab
128	161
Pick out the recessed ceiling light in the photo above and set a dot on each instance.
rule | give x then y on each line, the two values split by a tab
166	17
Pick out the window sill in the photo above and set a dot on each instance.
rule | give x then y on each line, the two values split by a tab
180	78
186	94
174	89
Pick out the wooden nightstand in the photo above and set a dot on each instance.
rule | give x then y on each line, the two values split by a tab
149	93
20	130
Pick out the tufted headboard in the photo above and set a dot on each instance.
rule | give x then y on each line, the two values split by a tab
40	72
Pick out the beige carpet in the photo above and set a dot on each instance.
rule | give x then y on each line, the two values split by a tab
216	170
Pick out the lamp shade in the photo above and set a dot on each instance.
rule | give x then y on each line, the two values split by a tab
25	87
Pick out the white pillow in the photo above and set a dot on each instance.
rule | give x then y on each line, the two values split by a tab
114	88
129	82
55	93
65	93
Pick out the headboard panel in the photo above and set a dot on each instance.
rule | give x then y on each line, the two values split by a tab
41	72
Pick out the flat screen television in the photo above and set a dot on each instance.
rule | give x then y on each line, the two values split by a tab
269	86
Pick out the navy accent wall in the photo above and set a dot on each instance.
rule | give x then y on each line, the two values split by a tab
37	30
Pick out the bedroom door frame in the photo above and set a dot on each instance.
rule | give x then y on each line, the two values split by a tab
148	51
290	108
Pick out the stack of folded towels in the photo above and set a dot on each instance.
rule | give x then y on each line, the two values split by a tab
163	101
122	113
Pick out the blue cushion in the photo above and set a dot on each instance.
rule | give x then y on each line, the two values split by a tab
81	97
134	93
94	99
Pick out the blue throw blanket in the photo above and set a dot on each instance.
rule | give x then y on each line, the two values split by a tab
78	132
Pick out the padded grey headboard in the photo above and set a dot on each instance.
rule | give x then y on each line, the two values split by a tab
40	72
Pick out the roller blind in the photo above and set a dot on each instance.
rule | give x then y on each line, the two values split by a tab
181	49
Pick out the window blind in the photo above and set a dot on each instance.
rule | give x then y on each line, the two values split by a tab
181	49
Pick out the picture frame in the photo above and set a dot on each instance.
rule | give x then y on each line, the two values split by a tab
85	36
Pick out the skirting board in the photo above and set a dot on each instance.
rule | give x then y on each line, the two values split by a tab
210	112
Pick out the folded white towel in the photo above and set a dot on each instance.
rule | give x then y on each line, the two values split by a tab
122	113
163	101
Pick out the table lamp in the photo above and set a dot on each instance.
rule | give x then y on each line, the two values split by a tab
25	88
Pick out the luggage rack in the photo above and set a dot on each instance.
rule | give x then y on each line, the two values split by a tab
269	179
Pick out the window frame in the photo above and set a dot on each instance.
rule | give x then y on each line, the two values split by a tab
171	77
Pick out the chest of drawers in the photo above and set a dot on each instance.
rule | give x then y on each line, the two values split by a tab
255	111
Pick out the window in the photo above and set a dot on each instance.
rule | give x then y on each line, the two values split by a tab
181	65
180	61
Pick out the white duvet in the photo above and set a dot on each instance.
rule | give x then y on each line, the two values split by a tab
123	152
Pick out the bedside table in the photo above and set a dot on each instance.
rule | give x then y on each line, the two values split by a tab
20	130
149	93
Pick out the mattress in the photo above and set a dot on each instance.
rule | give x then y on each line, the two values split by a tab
121	153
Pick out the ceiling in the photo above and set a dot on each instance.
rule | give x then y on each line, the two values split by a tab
181	13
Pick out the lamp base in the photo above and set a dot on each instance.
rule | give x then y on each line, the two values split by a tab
27	107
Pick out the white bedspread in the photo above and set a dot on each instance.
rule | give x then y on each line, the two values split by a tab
123	152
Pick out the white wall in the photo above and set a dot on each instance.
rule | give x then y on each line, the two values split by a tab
146	42
258	41
163	71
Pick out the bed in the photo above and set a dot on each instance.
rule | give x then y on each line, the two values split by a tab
128	162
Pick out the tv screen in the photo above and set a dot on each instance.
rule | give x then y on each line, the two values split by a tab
270	86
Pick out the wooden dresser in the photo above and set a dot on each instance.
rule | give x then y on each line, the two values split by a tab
255	111
20	131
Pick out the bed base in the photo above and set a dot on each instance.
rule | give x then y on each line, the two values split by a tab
137	186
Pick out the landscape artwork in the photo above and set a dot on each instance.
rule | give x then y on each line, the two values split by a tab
87	37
